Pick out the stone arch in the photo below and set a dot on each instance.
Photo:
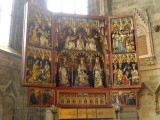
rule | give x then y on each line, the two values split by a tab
8	100
144	36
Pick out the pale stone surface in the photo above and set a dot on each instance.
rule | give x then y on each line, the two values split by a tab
49	115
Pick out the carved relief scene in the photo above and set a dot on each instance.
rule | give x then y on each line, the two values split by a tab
125	70
80	34
82	98
122	35
40	27
80	69
38	69
79	51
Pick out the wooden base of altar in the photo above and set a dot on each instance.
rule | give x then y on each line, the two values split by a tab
86	113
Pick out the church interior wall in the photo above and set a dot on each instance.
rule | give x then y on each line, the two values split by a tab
150	74
149	96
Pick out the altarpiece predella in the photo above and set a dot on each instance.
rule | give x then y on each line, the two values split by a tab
75	60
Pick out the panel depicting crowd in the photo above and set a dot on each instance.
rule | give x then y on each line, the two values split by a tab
122	35
80	34
123	98
38	69
125	70
40	28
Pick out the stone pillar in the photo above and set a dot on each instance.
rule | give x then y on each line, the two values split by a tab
16	29
98	7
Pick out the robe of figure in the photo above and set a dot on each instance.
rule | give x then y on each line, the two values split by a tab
64	74
121	47
135	77
125	80
34	75
80	43
69	44
91	45
115	75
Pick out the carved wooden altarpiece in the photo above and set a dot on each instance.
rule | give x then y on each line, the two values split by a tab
79	61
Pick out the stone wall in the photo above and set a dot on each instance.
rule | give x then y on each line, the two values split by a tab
13	97
149	104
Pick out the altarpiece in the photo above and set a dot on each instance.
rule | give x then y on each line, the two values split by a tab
80	61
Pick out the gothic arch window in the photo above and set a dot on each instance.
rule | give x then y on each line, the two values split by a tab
68	6
144	38
5	20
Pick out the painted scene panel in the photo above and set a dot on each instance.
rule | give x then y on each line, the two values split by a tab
41	97
40	27
122	34
124	97
38	67
125	70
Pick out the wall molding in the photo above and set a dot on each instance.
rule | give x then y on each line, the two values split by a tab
143	26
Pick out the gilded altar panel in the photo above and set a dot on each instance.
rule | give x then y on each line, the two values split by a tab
91	113
82	98
74	61
80	43
105	113
39	27
38	48
38	70
82	113
67	113
124	53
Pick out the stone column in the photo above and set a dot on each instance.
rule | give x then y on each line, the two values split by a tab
16	29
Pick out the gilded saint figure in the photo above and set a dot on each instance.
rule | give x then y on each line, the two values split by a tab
70	44
64	74
90	44
80	43
97	74
135	77
82	77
